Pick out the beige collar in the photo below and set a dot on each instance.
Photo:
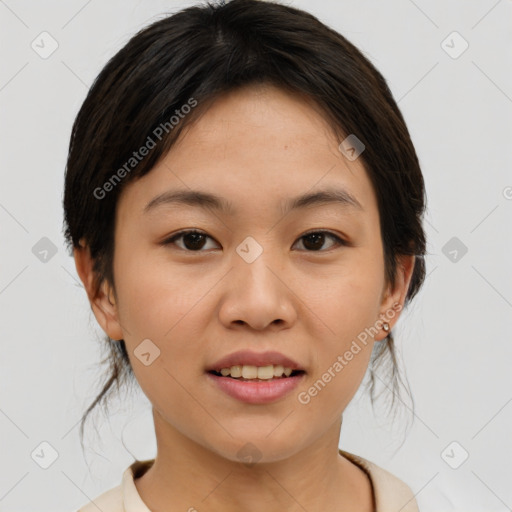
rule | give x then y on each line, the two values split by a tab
390	493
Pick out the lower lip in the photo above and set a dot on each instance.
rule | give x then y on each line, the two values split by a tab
258	392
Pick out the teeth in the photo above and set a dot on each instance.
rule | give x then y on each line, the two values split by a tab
249	372
278	370
256	372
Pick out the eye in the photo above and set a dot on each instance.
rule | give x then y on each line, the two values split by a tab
314	240
193	240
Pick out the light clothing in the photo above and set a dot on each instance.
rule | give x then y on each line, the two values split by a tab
391	494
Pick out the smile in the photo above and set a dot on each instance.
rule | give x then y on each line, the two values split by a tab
253	389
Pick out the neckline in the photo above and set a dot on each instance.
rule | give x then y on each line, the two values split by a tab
366	467
134	503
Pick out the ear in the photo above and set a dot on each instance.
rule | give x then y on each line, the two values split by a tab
393	299
102	302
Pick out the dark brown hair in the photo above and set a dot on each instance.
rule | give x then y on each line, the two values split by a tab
204	51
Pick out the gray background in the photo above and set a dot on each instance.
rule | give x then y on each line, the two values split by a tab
455	338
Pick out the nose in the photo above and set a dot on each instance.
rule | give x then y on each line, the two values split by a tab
257	295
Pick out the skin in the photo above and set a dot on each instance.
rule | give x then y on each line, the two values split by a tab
255	147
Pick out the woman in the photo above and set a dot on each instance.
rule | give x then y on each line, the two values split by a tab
244	206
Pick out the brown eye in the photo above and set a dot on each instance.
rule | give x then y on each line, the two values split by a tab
315	240
192	241
195	241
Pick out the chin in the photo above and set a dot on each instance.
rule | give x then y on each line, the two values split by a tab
258	448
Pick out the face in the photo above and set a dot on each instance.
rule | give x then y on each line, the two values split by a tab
305	280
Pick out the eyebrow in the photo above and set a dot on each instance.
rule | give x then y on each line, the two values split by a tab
209	201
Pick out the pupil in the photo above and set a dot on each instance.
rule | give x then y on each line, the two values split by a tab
315	237
196	239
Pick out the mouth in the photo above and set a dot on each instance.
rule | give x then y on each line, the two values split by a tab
255	377
251	373
256	385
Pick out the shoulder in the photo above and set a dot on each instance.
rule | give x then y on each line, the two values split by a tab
109	501
124	497
391	493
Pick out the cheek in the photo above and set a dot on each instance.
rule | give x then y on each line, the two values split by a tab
161	306
349	307
167	306
348	299
154	295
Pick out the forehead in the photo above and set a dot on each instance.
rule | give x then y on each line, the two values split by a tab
260	114
253	146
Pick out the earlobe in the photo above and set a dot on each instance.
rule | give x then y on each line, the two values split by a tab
101	298
393	301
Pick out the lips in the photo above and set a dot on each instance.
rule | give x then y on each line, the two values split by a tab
256	392
248	357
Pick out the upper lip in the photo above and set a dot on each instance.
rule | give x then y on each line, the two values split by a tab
248	357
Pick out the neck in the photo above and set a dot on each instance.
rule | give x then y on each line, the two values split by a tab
188	476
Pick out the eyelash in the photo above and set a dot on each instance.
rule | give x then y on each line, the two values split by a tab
170	241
